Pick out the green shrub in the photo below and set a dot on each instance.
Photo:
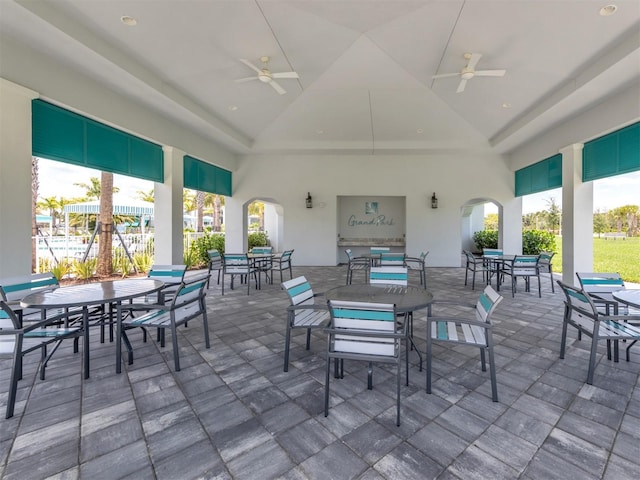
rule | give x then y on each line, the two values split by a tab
485	239
200	246
257	239
143	262
85	270
534	241
61	269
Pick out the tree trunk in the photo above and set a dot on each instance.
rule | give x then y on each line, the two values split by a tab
199	211
105	267
35	184
217	214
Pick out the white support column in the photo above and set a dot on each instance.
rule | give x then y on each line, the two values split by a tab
235	226
577	216
15	179
511	227
168	210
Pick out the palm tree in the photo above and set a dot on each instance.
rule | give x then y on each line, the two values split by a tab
105	264
52	205
199	211
93	189
146	196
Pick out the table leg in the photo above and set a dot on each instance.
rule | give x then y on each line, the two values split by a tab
119	338
85	325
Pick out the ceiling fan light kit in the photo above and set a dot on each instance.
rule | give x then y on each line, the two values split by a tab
265	75
469	71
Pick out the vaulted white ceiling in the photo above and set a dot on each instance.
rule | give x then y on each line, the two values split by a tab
365	66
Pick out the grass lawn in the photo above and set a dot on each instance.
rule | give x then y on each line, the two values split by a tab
621	256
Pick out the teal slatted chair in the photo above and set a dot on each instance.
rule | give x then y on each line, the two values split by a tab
282	263
367	332
171	275
599	286
187	304
546	266
13	289
215	263
475	265
392	259
418	264
303	312
581	313
525	267
17	340
263	262
375	253
238	265
361	264
475	332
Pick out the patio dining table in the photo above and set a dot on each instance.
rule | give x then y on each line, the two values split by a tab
629	297
91	294
406	299
494	263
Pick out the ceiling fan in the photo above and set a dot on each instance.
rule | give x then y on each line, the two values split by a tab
265	75
468	72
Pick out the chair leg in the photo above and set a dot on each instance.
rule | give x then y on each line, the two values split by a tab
326	386
370	376
205	321
492	373
286	347
592	359
308	338
176	352
428	354
551	277
398	393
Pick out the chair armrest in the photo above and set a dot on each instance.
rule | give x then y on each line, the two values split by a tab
454	303
293	308
143	306
478	323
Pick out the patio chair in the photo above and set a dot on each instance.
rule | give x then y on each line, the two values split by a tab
238	265
398	276
282	263
475	332
303	312
599	286
215	264
522	266
187	304
581	312
375	253
171	275
263	261
392	259
367	332
491	262
13	289
545	266
17	340
361	264
475	265
418	264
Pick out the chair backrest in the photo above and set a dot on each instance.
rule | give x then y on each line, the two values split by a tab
391	259
349	253
545	257
487	303
492	252
579	307
389	276
299	291
189	299
215	259
16	288
527	264
168	273
262	250
235	262
423	255
8	323
598	283
363	317
285	257
379	250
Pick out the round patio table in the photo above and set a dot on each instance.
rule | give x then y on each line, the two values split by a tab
406	299
91	294
630	297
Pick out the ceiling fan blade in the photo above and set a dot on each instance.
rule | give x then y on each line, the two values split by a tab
445	75
250	65
473	61
490	73
276	86
285	75
463	83
247	79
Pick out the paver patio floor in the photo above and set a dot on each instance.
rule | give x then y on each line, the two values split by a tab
233	413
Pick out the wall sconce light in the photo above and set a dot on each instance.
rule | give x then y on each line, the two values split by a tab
309	201
434	201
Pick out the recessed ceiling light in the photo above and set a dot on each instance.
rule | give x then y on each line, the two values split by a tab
608	10
506	105
233	108
419	130
128	21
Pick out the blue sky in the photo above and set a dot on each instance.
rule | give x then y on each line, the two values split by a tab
57	179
